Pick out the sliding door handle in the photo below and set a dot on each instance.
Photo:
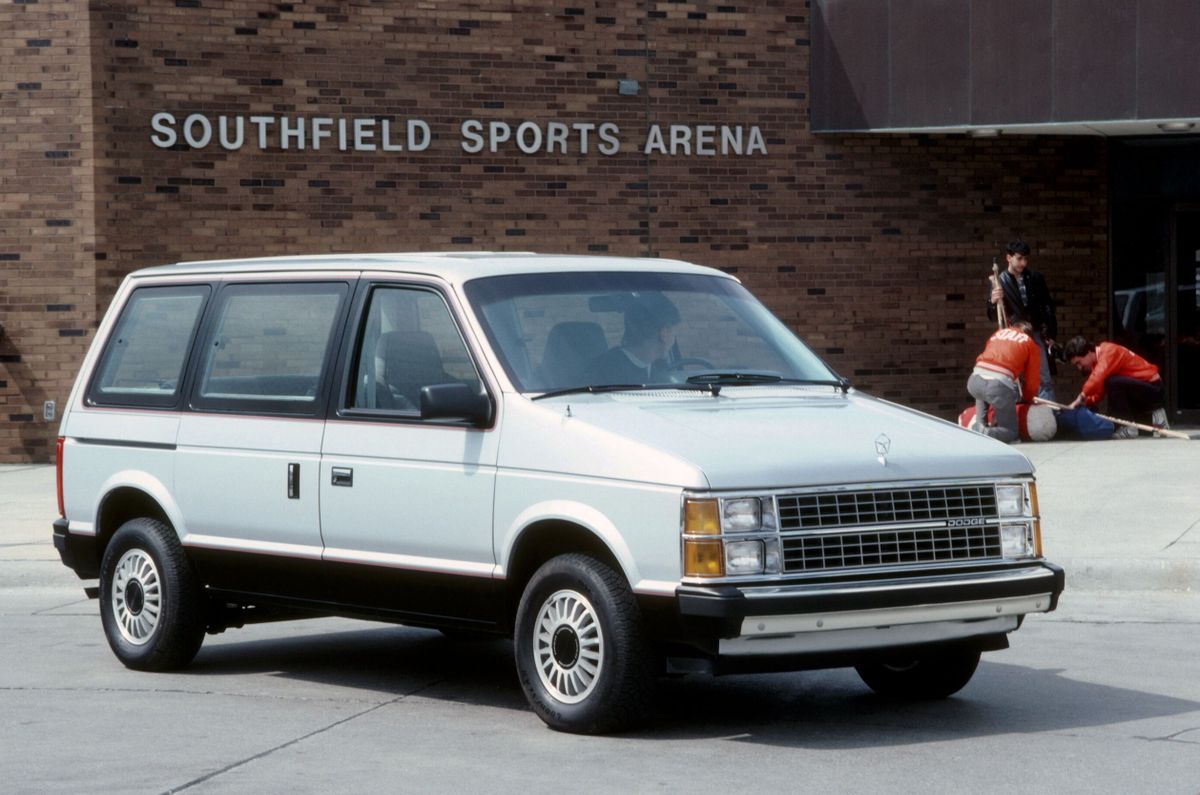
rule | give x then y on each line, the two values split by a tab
343	476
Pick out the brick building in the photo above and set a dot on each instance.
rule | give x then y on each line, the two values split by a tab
828	153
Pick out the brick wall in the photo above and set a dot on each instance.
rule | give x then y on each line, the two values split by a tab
876	249
47	227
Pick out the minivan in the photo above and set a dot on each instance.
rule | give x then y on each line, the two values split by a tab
628	466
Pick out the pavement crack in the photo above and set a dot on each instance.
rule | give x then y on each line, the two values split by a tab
294	741
1173	738
1191	527
45	610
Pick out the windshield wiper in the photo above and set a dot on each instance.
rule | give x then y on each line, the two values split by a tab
738	378
593	389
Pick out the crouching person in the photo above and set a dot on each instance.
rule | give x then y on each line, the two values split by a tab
1132	384
1007	370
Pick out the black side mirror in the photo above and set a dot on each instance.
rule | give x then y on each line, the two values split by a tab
456	402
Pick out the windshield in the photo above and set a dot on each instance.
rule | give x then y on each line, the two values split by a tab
563	331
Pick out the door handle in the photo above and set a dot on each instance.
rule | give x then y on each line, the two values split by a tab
293	482
343	476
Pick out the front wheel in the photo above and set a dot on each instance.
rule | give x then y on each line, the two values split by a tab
580	650
151	603
921	677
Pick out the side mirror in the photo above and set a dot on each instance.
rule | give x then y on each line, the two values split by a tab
456	402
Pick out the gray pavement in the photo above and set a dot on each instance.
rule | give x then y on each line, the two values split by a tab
1118	515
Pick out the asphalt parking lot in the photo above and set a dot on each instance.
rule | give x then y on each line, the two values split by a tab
1103	695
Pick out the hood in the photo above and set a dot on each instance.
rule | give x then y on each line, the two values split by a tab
769	437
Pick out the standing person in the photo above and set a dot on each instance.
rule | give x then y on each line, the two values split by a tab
1026	297
1011	354
1133	385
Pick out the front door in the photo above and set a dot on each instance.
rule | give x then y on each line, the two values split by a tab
406	504
1184	286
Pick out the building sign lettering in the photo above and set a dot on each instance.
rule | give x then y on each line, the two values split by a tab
475	136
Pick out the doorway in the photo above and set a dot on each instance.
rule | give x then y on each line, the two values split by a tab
1155	271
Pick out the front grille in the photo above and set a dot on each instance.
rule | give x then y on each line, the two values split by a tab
811	522
848	508
890	548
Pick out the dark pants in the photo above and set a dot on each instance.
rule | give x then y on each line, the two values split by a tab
1131	399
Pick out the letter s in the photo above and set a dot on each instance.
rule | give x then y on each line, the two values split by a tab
163	124
472	140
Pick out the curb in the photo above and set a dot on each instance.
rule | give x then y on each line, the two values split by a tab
1152	574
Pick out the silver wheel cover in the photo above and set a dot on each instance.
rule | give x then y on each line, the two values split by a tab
568	614
136	596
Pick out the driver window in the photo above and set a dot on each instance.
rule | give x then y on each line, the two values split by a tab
409	341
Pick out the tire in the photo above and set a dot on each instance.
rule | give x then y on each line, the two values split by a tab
924	677
151	603
581	654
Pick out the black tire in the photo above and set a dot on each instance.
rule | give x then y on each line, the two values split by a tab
601	631
152	605
923	677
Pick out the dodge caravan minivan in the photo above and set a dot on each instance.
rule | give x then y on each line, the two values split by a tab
629	466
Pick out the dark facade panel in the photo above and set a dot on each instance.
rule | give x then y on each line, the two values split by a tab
930	49
912	64
1095	75
850	40
1010	60
1168	58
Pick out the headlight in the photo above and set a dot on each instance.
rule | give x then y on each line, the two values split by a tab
742	515
1010	500
1016	541
744	557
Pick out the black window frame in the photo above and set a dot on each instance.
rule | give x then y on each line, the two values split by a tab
266	407
95	396
351	349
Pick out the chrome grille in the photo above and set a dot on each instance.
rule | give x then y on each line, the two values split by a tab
813	540
890	548
847	508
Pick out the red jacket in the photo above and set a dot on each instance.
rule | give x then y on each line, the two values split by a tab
1015	354
1113	359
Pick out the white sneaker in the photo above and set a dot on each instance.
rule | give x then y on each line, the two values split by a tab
1158	418
1125	432
976	426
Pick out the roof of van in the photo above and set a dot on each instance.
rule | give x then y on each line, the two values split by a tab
454	266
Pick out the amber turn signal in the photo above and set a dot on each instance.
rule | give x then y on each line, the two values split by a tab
703	558
701	518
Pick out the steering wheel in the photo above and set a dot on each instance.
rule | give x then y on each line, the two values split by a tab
671	368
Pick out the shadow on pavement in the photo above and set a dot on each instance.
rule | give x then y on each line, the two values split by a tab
816	709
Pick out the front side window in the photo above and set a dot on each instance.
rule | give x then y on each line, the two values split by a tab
142	363
577	329
268	347
409	341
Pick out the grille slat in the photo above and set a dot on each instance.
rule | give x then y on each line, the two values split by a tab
810	524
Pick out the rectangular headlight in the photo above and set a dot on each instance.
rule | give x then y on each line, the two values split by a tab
1010	500
744	557
742	515
1016	541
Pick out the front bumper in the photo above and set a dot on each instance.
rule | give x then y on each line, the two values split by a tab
876	614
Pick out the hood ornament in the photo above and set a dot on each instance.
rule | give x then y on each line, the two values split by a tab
883	446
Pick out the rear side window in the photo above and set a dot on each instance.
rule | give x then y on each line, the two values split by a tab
268	347
143	360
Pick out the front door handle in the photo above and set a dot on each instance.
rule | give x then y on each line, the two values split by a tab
343	476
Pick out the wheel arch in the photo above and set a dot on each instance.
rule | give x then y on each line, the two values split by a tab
122	503
547	538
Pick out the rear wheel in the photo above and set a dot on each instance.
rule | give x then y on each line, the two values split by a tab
921	677
151	603
580	651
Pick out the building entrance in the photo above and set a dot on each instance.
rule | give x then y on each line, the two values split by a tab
1156	262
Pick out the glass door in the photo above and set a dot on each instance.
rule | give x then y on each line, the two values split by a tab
1184	315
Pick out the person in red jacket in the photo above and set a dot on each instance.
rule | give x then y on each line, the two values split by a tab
1007	369
1133	385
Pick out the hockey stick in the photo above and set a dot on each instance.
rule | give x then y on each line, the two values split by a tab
1116	421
